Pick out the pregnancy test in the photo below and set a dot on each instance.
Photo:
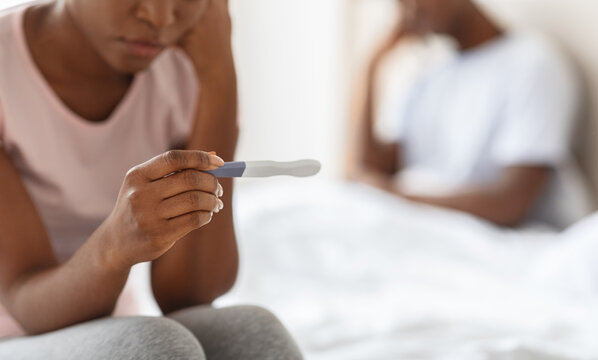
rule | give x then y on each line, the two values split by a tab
259	169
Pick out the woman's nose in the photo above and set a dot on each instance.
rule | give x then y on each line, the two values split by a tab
158	13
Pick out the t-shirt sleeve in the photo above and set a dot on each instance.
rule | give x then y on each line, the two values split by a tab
405	112
399	111
392	106
541	108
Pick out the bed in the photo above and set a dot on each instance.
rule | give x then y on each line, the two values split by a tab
356	274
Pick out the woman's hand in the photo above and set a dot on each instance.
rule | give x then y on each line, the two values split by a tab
159	203
208	44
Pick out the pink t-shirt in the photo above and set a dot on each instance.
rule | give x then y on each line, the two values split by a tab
73	168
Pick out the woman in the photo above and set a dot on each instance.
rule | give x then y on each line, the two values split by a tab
89	91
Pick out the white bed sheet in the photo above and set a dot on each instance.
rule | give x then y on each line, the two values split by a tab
356	274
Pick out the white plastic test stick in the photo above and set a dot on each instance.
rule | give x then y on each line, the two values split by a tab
259	169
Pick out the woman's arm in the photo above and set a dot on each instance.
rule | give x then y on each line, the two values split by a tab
204	265
151	214
38	291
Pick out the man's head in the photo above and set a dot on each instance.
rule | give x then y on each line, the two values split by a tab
130	34
437	16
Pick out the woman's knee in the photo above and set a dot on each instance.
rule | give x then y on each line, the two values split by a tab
248	332
255	316
267	337
152	338
133	338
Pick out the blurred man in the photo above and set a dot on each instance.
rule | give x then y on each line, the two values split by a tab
490	128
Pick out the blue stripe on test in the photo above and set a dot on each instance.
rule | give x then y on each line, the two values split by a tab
230	170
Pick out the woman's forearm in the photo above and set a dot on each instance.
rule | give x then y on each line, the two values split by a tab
215	256
204	265
83	288
198	269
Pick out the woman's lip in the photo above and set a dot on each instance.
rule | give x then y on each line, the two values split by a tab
143	48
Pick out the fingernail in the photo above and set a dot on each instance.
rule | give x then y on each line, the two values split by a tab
216	160
220	204
220	190
213	153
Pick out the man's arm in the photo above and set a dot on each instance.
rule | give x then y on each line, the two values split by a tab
505	202
369	154
204	265
373	155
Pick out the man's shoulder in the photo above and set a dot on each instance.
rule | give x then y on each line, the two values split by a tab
537	49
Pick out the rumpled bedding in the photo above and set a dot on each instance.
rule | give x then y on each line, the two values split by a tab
357	274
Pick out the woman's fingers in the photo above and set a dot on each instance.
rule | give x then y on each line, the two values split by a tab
187	180
188	202
173	161
184	224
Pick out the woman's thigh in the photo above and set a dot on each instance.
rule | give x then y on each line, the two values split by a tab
240	332
106	339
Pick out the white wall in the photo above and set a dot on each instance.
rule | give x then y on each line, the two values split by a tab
291	70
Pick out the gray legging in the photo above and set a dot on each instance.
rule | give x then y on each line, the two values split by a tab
242	332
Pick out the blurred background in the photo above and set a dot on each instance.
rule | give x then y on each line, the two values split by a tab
356	274
357	277
299	60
